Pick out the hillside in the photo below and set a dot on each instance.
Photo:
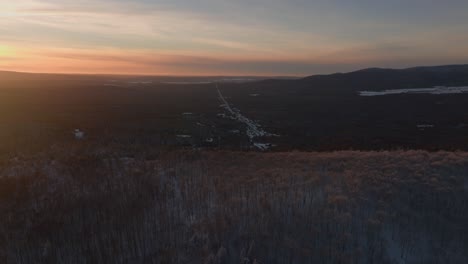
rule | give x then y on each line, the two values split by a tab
80	204
375	79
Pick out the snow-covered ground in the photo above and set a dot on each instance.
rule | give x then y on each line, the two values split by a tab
253	128
78	134
435	90
263	146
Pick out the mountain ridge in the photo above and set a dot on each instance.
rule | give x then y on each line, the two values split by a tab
370	79
381	78
446	67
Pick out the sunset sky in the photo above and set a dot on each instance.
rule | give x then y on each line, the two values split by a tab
229	37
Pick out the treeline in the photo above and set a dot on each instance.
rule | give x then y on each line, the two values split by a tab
105	205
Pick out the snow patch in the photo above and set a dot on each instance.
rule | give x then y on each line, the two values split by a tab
78	134
263	146
435	90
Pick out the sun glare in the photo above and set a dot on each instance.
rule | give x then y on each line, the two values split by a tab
5	51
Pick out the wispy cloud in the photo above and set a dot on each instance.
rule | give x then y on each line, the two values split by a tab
269	37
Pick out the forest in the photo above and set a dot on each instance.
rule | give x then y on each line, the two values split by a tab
82	203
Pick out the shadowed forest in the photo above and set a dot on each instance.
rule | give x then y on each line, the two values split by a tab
317	113
79	203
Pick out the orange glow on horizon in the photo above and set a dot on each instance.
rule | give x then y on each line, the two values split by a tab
133	62
224	38
6	51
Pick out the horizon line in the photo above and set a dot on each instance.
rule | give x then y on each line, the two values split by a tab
224	75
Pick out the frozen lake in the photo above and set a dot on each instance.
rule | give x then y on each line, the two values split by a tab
435	90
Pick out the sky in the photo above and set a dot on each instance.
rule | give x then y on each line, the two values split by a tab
230	37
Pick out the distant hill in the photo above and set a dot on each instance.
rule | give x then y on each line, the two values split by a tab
9	75
381	79
375	79
169	79
372	79
12	75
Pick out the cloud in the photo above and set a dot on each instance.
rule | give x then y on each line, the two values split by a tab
264	37
115	61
